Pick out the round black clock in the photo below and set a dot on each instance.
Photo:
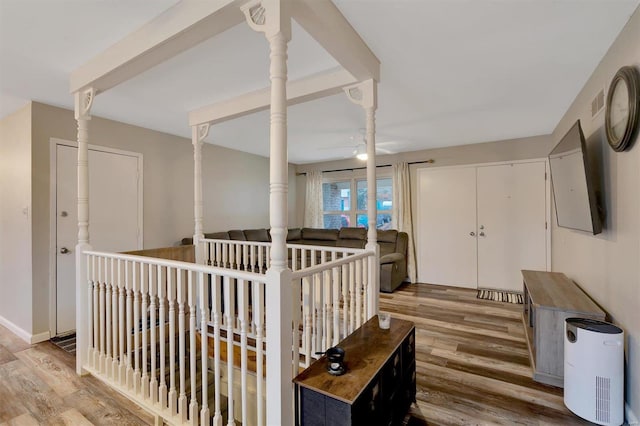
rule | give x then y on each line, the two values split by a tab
623	108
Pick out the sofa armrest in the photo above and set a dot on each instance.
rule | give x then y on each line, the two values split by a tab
391	258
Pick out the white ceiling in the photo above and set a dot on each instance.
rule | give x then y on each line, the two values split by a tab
453	71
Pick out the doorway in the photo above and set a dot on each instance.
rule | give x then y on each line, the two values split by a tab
115	211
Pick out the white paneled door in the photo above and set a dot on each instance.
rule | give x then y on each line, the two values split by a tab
479	226
447	227
511	223
115	211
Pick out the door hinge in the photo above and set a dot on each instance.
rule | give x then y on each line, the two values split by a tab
545	175
545	225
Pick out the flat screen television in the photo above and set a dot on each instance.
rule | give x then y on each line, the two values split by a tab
573	183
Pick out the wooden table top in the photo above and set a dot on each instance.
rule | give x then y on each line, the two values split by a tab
553	290
366	351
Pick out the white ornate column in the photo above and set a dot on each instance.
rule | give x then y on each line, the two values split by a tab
272	18
83	103
198	133
365	94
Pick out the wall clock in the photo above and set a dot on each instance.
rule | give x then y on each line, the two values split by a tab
623	108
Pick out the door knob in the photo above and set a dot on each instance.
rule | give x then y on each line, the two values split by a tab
473	234
481	234
64	250
481	226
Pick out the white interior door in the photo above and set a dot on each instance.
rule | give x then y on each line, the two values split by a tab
115	212
511	223
447	227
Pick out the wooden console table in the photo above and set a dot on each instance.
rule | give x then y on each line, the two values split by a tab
378	387
550	298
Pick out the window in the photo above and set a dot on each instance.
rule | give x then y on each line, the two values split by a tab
341	209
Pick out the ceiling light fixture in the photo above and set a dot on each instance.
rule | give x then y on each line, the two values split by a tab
361	152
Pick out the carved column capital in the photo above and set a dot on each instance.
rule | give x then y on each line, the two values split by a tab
270	17
199	133
364	94
83	101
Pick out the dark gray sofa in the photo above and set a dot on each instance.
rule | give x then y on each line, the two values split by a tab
393	246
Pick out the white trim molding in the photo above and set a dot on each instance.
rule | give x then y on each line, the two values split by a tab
23	334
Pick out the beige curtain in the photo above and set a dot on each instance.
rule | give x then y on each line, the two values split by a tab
313	201
402	212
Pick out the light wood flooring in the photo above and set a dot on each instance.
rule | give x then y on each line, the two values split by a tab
38	386
471	359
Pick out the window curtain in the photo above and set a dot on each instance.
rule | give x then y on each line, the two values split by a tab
313	201
402	212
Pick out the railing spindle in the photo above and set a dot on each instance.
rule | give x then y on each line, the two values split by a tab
358	287
216	317
243	301
229	307
122	366
144	293
129	267
137	280
204	328
103	288
172	274
162	297
182	399
153	283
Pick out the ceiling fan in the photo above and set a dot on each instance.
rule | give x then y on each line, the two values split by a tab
358	146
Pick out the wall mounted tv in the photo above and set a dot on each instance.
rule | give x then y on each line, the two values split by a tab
573	183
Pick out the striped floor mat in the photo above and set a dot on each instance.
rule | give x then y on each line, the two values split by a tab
66	343
500	296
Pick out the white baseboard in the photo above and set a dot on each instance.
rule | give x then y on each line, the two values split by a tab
629	416
24	335
40	337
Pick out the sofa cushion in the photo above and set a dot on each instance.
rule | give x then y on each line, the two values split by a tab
237	234
294	234
352	238
387	241
391	257
319	234
388	236
217	236
261	235
352	234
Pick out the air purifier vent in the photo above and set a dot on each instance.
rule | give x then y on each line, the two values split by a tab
603	399
597	103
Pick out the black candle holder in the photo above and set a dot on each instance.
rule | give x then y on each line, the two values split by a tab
335	361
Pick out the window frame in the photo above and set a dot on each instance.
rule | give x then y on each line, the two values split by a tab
353	179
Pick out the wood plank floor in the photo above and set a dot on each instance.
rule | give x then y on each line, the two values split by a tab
472	361
39	386
472	369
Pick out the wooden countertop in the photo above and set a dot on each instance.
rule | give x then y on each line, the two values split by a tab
553	290
366	351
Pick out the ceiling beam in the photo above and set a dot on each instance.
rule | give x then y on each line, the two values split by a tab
175	30
298	91
326	24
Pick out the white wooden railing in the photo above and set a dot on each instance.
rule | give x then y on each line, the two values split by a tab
329	303
188	342
153	325
254	256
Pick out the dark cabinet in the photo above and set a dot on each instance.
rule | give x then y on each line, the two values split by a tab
378	387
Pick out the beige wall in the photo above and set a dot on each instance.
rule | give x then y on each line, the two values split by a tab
235	187
607	266
15	222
